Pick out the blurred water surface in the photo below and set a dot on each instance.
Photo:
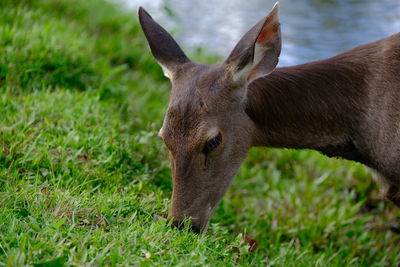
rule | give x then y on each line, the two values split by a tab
311	29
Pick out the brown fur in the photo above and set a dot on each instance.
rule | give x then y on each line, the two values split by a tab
333	102
346	106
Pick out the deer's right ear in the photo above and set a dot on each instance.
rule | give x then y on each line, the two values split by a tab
163	47
257	53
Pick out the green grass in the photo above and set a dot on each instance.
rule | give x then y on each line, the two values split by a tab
83	178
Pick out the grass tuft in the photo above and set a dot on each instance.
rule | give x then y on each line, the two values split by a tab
85	181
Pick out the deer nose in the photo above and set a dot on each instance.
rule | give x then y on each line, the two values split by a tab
194	227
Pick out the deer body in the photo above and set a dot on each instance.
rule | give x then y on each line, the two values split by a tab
346	106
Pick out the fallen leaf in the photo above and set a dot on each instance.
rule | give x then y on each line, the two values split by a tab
4	149
163	251
251	242
274	224
266	260
158	218
84	222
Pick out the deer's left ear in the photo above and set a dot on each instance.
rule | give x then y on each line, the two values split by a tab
257	53
164	48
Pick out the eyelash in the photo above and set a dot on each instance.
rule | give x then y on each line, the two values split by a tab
212	144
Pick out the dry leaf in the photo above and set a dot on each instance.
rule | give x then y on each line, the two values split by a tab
84	222
158	218
4	149
163	251
251	242
274	224
266	260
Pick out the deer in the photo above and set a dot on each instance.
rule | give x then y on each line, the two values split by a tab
346	106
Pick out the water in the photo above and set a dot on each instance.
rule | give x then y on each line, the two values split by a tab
311	29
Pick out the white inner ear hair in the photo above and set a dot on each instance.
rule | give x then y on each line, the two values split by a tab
166	71
241	75
259	52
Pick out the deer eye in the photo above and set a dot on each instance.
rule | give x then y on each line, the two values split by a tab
212	144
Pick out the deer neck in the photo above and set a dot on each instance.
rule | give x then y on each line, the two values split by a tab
316	105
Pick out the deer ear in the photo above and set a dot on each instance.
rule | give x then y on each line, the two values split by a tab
163	47
257	53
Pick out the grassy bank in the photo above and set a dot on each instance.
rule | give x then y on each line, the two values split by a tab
84	180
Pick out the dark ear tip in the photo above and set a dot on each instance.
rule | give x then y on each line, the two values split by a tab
142	13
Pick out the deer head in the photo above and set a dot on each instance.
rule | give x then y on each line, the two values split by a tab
206	128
